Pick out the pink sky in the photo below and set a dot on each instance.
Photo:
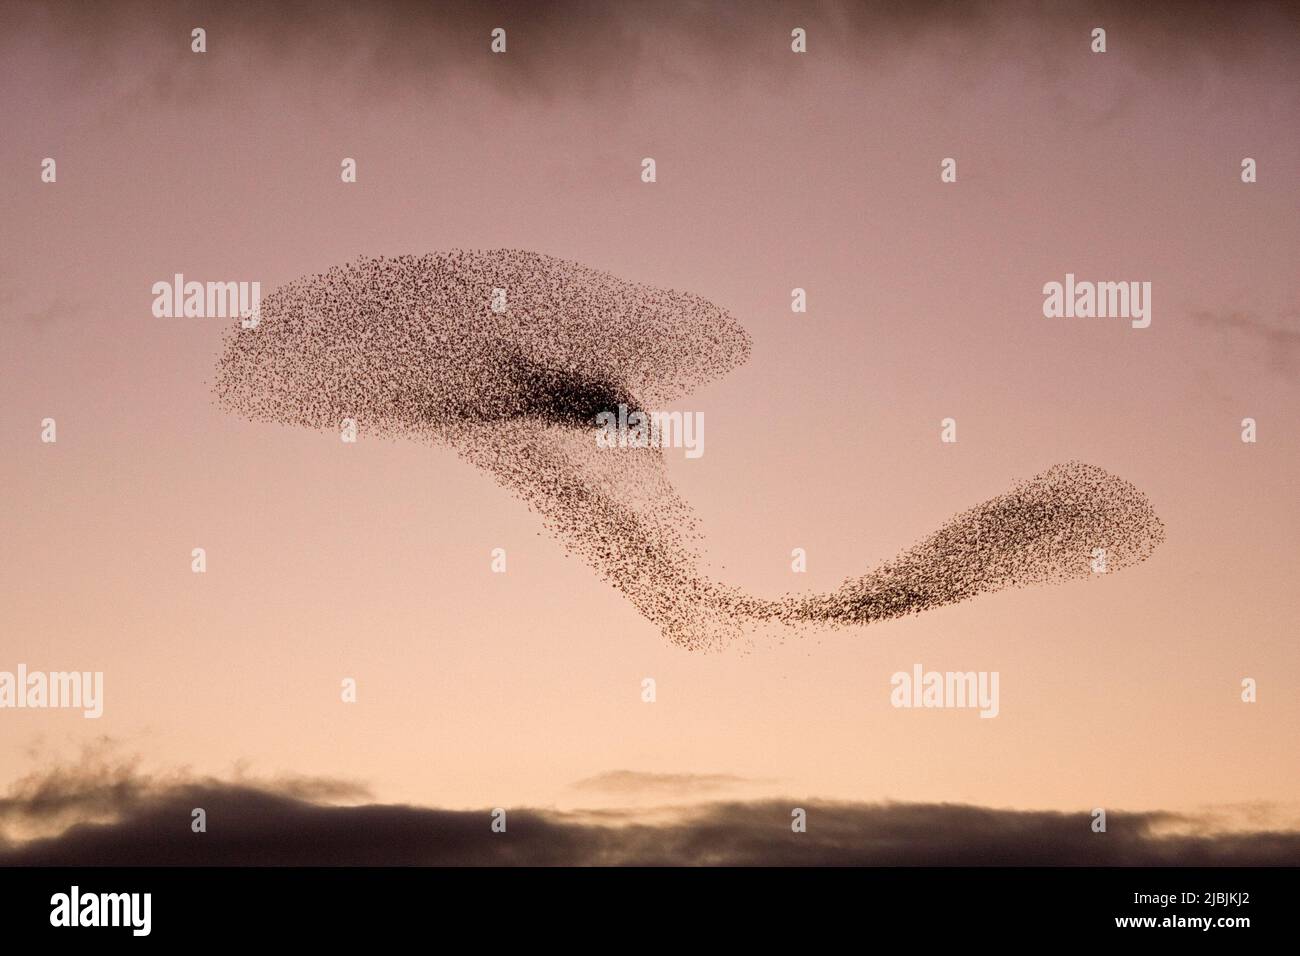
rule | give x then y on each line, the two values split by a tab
372	561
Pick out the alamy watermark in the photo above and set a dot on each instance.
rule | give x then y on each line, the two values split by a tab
207	300
53	690
922	688
634	429
75	908
1101	300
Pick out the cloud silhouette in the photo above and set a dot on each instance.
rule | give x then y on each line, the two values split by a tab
295	823
558	49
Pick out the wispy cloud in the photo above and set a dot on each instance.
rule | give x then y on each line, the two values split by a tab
660	784
104	786
1279	340
15	306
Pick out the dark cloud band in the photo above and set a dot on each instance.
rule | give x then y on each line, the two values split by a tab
273	826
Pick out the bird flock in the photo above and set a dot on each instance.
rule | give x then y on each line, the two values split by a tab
508	356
